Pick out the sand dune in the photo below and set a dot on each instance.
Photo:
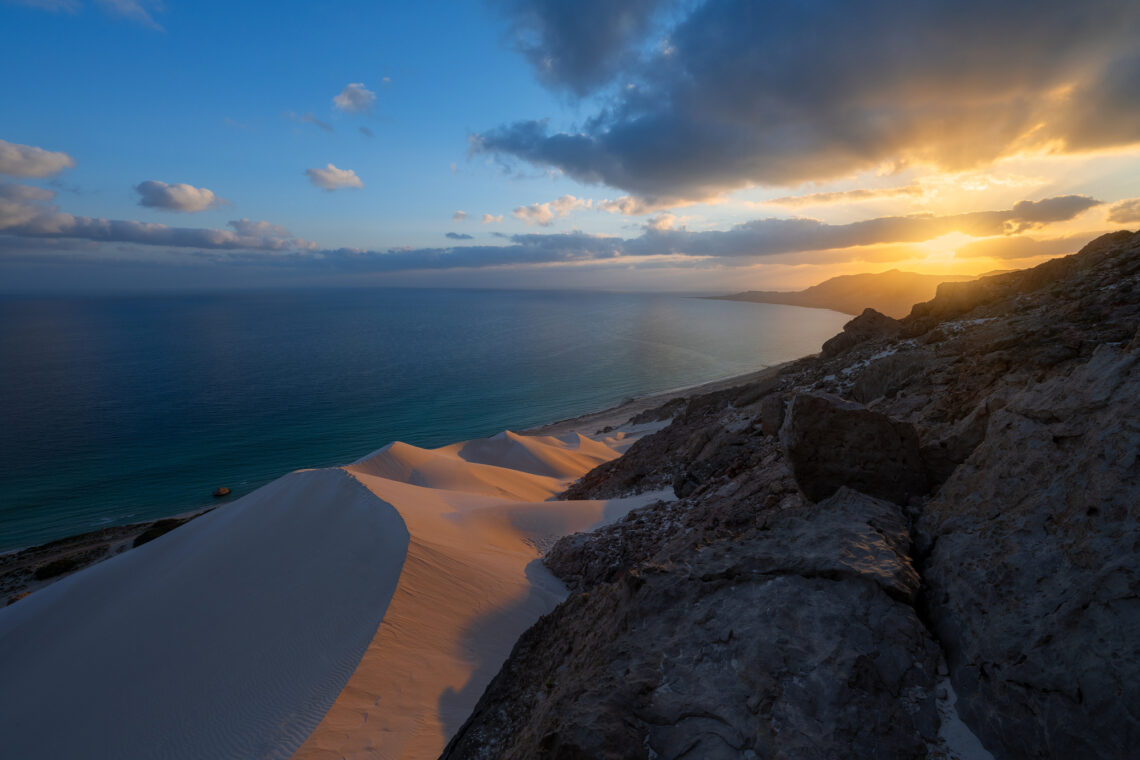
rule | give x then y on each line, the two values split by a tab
228	637
385	594
472	583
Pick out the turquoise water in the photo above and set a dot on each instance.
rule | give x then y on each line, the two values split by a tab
132	408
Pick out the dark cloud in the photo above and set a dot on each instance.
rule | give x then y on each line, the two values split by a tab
25	212
783	92
459	236
366	132
581	45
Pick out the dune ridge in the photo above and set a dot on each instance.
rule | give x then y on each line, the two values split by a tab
354	611
471	584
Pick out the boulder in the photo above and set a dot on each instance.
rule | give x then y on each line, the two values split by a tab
832	443
868	325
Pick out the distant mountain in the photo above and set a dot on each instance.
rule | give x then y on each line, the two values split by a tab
893	293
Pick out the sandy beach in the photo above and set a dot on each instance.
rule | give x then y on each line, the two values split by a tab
344	612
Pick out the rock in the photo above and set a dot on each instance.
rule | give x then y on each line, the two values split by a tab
868	325
780	643
772	414
888	375
220	492
832	443
1034	570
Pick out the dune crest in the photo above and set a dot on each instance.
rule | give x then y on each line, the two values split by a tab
348	612
471	584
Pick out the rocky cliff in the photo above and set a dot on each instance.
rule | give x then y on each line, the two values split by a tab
947	503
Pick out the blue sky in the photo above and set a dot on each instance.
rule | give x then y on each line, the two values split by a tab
654	144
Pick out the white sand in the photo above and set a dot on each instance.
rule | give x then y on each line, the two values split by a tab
233	635
229	637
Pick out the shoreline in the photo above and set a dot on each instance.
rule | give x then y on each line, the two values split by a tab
18	567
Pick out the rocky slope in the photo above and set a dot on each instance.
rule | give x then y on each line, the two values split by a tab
954	492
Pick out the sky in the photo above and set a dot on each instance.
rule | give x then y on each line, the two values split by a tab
652	145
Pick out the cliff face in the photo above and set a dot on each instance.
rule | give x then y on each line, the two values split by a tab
954	492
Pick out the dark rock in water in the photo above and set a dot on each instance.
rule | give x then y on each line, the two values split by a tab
868	325
831	443
796	641
220	492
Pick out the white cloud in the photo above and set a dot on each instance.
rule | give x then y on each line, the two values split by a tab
29	161
176	197
459	216
135	10
629	205
490	219
544	214
661	222
355	98
332	178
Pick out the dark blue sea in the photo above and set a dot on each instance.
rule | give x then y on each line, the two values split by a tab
121	409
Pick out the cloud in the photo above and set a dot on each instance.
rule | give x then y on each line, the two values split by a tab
366	132
661	222
785	92
844	196
1029	214
459	236
1022	247
247	228
331	178
29	161
459	216
578	46
25	212
135	10
176	197
631	206
1125	212
544	214
308	118
491	219
355	98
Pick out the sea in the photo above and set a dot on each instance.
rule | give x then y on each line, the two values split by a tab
129	408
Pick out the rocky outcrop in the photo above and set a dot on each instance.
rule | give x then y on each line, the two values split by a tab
962	484
868	325
727	655
831	443
1034	567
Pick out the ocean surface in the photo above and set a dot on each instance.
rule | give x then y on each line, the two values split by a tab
122	409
